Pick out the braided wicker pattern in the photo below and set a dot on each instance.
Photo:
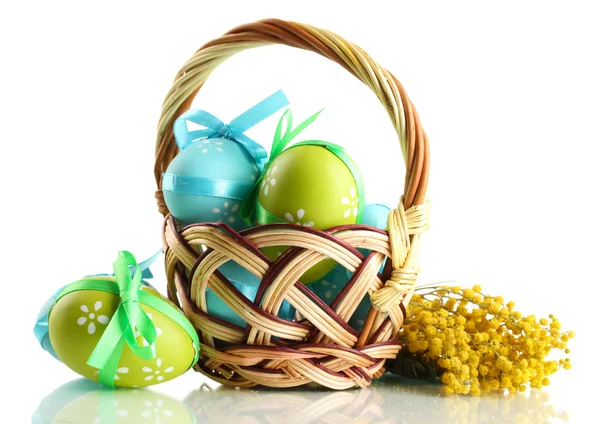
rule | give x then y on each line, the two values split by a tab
320	346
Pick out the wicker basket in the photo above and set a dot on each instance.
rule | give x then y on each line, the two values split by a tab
321	347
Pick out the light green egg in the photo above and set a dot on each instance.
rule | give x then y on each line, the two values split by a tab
310	185
79	318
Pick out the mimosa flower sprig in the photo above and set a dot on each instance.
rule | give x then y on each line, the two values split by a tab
475	343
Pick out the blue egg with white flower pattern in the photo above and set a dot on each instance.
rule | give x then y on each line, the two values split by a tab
208	181
247	283
329	287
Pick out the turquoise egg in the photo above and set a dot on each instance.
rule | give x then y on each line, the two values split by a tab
376	215
331	285
247	283
207	182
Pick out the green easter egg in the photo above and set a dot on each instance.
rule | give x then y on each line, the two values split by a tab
79	318
310	185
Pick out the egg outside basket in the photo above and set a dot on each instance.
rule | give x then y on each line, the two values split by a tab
322	347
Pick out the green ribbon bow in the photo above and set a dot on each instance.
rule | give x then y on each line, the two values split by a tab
280	140
129	320
128	317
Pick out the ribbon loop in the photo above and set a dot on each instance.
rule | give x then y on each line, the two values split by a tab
281	139
197	125
128	319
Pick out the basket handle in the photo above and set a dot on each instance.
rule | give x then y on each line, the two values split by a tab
389	91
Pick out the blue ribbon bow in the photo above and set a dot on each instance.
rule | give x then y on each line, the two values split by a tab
214	127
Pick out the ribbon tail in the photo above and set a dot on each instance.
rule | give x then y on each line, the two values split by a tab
282	137
135	318
290	136
108	343
106	375
145	265
109	347
258	113
248	206
255	150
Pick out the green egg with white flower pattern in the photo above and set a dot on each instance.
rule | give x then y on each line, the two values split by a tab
313	185
79	318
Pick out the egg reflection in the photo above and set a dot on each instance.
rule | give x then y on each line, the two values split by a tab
84	401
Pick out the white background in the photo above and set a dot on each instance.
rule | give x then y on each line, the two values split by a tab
508	94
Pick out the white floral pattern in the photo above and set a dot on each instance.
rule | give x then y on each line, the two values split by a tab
157	372
155	409
121	370
351	202
269	180
92	317
227	214
328	293
206	145
144	341
120	412
298	220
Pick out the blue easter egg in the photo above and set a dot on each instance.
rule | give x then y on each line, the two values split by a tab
207	182
328	288
376	215
247	283
331	285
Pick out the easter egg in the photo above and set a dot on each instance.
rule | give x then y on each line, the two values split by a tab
82	313
329	287
376	215
41	325
83	401
247	283
317	186
207	182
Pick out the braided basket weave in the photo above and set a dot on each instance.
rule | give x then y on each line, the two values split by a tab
319	347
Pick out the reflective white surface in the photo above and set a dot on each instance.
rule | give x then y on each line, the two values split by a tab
508	94
390	400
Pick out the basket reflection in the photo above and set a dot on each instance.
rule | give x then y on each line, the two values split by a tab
388	400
